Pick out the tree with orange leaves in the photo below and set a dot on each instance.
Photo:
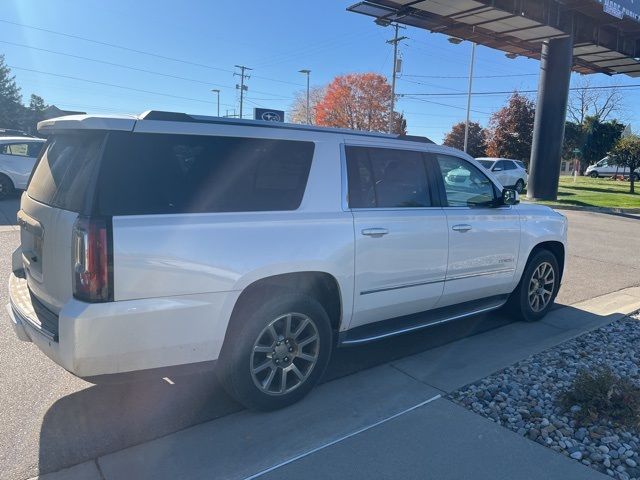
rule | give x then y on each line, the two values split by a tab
360	101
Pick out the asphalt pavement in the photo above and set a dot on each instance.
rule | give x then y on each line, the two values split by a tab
50	420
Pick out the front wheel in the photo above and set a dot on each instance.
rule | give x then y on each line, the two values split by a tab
593	174
275	352
519	185
538	287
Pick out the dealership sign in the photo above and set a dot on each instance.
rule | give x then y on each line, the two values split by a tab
268	115
622	8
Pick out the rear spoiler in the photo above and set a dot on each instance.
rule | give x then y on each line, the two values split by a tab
86	122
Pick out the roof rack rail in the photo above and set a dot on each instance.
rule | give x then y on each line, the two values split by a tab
184	117
415	138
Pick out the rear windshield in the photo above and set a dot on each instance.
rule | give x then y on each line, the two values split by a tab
144	173
64	173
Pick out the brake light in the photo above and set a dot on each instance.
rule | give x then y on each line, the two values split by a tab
92	276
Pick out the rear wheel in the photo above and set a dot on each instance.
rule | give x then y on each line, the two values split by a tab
275	352
6	186
519	185
593	174
538	287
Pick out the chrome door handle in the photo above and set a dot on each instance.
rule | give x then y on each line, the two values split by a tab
375	232
463	227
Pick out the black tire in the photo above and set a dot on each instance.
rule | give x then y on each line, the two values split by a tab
636	177
247	327
519	302
6	187
594	174
519	185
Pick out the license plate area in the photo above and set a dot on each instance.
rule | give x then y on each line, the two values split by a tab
31	238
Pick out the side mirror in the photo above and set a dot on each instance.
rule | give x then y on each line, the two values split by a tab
496	169
510	197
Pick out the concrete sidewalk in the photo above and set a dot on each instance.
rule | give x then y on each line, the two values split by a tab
386	422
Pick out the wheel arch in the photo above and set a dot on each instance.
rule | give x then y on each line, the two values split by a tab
321	285
556	248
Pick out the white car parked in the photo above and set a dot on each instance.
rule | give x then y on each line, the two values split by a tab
17	158
510	173
169	239
606	168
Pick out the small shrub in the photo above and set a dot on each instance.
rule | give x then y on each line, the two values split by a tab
602	395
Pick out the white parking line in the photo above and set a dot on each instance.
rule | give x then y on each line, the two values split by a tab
338	440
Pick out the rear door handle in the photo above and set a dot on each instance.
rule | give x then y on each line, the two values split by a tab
375	232
463	227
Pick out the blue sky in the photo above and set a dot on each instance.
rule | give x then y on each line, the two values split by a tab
275	38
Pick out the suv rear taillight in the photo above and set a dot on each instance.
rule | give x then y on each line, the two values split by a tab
92	267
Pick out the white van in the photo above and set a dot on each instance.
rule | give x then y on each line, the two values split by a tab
606	168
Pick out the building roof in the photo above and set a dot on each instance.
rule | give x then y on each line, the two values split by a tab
606	33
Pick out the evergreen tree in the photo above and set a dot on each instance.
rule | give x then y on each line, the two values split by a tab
11	109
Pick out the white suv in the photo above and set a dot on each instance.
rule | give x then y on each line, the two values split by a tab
17	158
169	239
510	173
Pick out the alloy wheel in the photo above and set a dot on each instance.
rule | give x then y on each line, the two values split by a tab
285	353
541	287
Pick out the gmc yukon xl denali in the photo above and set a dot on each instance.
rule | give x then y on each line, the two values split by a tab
168	240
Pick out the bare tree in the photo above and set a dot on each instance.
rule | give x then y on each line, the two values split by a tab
298	110
600	103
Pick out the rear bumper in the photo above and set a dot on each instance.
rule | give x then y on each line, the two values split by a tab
128	336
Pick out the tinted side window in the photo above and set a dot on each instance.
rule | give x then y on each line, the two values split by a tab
465	185
144	173
508	165
34	148
386	178
499	166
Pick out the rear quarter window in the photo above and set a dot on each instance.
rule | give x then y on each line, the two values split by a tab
64	175
145	173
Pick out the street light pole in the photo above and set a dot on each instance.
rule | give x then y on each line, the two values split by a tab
215	90
466	125
307	72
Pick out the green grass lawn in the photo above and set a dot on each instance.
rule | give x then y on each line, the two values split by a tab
596	192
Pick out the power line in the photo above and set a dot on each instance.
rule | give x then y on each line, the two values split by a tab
120	65
404	95
465	77
113	64
509	92
134	50
108	84
434	85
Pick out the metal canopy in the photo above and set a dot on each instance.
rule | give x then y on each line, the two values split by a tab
606	33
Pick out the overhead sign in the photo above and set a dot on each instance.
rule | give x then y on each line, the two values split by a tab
622	8
268	115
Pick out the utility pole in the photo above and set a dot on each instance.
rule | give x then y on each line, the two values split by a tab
242	87
466	125
394	42
217	91
307	72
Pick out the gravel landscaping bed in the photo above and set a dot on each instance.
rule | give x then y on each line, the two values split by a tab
526	398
